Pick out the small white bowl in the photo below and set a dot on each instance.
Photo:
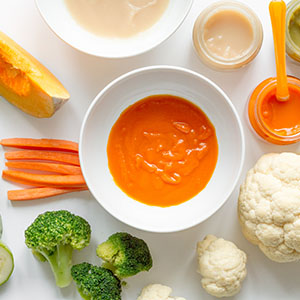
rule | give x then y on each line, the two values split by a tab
57	16
126	90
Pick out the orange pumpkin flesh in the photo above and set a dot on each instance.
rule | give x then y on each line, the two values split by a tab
26	83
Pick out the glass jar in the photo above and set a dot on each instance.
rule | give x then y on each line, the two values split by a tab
292	48
217	61
255	113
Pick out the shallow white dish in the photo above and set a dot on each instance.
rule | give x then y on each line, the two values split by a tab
57	16
131	87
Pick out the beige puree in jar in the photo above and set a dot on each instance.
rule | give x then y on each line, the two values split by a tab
228	34
116	18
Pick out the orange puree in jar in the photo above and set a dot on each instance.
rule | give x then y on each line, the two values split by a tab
276	121
162	150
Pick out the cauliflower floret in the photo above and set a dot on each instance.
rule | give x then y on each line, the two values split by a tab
222	265
269	206
157	292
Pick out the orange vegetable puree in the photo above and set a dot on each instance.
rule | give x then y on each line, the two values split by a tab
282	117
162	150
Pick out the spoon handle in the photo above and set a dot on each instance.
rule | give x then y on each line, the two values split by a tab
277	10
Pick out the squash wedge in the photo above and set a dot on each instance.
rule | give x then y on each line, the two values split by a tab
26	83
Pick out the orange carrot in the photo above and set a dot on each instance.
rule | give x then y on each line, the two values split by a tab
38	193
68	158
44	166
40	144
39	180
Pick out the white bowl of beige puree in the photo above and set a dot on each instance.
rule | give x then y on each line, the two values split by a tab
114	28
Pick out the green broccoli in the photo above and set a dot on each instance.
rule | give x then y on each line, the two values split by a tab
52	236
96	283
125	254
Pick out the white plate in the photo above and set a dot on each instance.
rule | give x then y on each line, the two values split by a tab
57	16
132	87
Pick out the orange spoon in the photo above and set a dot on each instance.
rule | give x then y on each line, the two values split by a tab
277	10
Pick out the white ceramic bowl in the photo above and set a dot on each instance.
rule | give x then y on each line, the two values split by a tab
131	87
57	16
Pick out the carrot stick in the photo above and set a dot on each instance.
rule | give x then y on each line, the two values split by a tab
38	193
44	166
40	144
43	180
68	158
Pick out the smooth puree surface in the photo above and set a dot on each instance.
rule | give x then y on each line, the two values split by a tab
117	18
162	150
228	34
294	27
282	117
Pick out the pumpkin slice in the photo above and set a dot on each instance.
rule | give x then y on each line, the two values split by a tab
26	83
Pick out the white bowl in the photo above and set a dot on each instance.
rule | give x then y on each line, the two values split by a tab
126	90
57	16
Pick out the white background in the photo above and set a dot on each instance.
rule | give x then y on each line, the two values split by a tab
84	76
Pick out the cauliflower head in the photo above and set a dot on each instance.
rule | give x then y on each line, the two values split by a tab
269	206
157	292
222	266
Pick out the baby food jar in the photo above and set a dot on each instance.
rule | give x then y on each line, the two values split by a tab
227	35
293	30
275	121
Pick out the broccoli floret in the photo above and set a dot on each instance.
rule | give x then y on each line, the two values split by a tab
52	236
96	283
125	254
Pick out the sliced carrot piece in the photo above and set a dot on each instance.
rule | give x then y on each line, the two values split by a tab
23	182
38	193
44	166
68	158
40	144
43	180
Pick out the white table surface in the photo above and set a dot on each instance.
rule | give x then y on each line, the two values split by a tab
174	254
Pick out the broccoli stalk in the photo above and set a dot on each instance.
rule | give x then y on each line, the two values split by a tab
125	255
53	236
61	263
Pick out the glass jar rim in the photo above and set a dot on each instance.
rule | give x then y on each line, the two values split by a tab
248	13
